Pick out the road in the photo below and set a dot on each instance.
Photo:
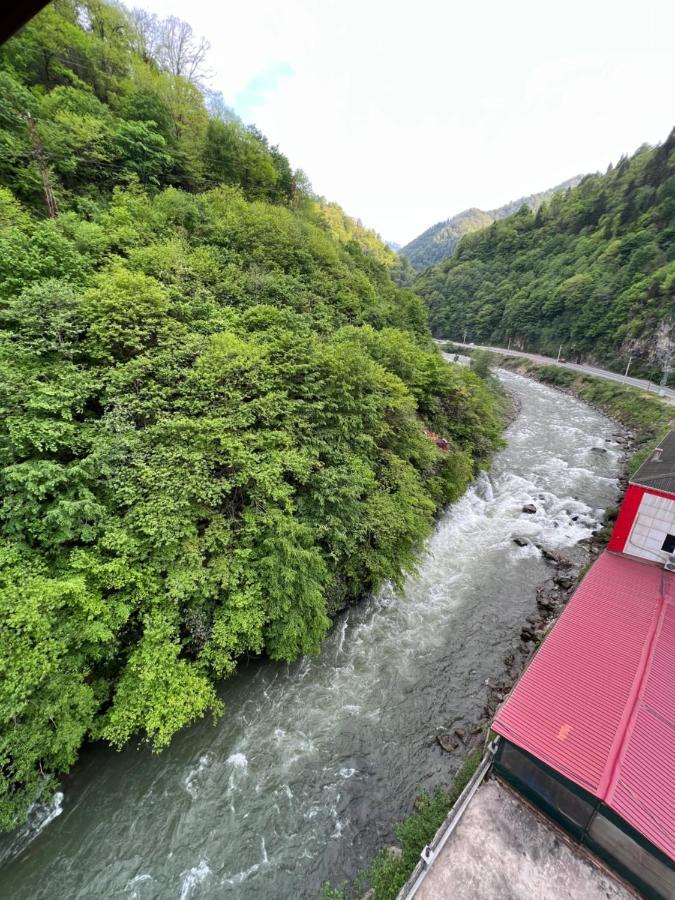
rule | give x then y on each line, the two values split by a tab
668	393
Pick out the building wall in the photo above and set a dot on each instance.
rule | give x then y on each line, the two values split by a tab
624	521
646	518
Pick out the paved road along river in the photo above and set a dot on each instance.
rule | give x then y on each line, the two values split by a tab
665	392
302	778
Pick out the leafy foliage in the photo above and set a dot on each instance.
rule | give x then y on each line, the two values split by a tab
93	97
592	270
213	403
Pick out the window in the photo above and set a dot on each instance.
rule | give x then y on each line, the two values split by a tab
669	543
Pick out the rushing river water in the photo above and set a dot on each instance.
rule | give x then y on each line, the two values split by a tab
303	777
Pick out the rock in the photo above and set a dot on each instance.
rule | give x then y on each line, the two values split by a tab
526	634
460	734
575	518
564	582
369	895
544	603
447	742
598	450
476	742
557	558
529	508
521	541
395	852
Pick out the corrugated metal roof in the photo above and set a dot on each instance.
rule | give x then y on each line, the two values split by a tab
659	473
643	787
597	703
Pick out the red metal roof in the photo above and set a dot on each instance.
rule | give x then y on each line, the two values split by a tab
597	703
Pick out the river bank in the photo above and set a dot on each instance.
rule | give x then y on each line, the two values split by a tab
640	420
645	416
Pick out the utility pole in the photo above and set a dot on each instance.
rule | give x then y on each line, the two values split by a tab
509	347
38	149
625	374
465	335
559	352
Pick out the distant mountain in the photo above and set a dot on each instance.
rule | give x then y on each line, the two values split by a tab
592	271
439	241
394	246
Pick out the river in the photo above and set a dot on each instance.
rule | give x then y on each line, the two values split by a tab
303	777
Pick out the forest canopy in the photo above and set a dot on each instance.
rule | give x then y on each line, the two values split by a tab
592	270
219	414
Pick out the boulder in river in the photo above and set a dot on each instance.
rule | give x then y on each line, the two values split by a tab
521	541
564	582
557	558
447	742
598	450
529	508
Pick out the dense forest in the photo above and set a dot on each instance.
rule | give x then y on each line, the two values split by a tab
220	417
438	242
592	270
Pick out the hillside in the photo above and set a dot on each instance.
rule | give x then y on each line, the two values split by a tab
593	269
438	242
214	398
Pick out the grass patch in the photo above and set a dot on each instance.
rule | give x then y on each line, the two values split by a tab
387	873
556	376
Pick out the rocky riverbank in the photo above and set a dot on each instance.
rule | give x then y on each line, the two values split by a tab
640	419
552	596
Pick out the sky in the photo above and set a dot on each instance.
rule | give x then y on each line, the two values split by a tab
406	113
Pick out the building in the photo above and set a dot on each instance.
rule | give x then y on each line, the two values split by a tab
588	733
645	526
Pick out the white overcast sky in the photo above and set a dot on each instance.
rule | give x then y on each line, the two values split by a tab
407	112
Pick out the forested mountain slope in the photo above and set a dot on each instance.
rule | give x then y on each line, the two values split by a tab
593	269
213	399
438	242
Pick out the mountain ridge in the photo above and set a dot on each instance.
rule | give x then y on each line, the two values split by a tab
439	241
592	270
